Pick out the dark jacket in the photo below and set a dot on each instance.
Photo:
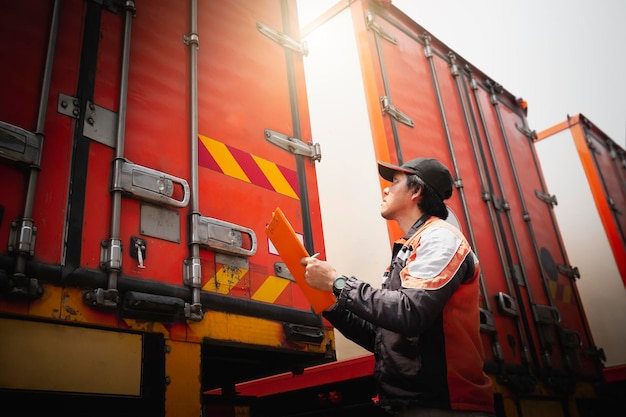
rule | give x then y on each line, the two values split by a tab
423	324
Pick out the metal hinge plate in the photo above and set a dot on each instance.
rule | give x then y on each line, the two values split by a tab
371	24
294	145
546	198
282	39
389	108
100	124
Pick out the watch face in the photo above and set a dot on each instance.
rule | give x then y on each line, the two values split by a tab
340	282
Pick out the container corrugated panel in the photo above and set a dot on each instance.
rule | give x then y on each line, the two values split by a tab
136	195
586	172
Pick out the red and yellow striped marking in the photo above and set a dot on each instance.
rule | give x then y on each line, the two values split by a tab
247	167
270	290
560	292
228	277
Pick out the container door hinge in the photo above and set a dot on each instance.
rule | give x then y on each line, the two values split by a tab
19	145
294	145
546	198
19	286
530	134
281	270
571	272
223	237
395	113
149	185
100	124
592	145
375	27
282	39
613	206
102	299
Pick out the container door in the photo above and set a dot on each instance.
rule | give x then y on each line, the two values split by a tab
255	148
592	188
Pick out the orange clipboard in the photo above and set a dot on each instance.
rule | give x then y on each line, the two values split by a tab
291	251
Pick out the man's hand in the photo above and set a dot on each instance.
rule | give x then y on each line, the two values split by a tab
319	274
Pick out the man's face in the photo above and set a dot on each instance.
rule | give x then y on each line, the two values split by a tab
397	198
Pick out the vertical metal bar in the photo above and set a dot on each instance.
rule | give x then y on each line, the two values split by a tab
387	93
20	264
195	275
116	195
193	102
305	205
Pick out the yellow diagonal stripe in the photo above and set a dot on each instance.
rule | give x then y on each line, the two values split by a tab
275	177
227	163
226	278
271	289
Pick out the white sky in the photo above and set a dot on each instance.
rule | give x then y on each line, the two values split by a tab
561	56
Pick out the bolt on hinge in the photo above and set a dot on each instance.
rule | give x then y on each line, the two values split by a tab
530	134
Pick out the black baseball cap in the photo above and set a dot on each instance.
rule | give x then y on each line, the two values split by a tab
430	170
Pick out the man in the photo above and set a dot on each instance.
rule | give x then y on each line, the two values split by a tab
423	324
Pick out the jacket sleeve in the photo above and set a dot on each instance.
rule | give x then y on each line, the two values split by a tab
409	311
352	326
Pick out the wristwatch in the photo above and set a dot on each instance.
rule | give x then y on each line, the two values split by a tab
338	284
